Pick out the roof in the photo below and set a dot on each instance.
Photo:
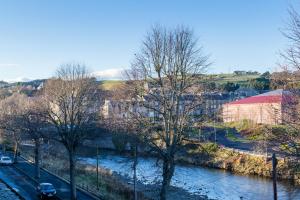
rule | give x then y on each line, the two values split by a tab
276	96
244	89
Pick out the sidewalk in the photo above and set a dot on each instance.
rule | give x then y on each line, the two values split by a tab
7	193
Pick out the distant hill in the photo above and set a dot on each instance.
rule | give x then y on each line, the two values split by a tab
242	80
218	79
110	84
33	83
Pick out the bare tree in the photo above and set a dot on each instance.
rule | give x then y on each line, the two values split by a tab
164	83
10	119
34	123
71	99
23	115
288	79
292	33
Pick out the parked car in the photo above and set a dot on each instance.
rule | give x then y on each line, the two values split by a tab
5	160
45	190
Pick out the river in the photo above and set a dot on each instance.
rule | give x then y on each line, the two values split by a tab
216	184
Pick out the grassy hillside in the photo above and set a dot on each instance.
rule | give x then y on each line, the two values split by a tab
219	79
110	84
240	79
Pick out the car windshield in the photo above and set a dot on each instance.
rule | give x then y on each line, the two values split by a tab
47	187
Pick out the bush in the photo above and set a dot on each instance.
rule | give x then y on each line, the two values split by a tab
243	125
210	147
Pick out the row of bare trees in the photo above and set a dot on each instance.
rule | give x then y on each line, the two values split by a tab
65	111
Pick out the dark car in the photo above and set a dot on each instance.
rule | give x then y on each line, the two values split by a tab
45	190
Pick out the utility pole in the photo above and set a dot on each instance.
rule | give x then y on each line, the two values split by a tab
134	171
266	145
274	164
199	134
215	130
97	168
214	116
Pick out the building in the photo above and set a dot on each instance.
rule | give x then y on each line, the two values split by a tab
213	102
205	104
243	92
120	109
273	107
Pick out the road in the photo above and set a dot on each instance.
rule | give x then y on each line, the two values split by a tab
223	140
23	184
241	144
19	176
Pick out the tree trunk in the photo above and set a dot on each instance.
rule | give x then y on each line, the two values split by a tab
37	159
16	147
168	171
72	175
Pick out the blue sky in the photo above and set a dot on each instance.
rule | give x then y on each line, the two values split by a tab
37	36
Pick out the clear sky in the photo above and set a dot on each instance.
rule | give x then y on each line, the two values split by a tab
37	36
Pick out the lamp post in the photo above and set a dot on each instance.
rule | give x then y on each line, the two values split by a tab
97	168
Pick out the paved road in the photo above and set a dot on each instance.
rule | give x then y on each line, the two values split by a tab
223	140
63	188
24	185
243	145
19	176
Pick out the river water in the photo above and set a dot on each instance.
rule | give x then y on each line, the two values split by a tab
216	184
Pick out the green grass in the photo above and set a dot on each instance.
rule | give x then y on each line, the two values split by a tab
243	125
219	79
111	84
217	125
230	136
240	79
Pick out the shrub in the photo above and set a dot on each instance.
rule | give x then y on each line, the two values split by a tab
242	125
210	147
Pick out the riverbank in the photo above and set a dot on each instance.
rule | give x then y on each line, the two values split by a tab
213	156
237	161
189	180
196	180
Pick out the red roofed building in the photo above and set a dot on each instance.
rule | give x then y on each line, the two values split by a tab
267	108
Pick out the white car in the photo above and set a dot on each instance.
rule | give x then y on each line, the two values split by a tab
5	160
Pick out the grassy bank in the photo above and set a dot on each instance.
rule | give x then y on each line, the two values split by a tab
210	155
